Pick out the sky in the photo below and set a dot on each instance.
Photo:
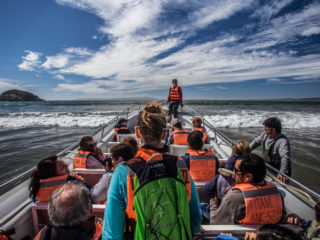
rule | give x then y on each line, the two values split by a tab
217	49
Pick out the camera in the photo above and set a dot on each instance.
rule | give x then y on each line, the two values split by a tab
107	161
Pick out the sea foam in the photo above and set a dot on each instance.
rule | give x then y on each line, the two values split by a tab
60	119
245	119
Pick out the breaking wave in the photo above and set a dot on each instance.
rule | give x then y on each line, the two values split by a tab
245	119
59	119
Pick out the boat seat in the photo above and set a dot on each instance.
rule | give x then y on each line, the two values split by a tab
120	137
110	145
91	176
233	229
41	218
178	150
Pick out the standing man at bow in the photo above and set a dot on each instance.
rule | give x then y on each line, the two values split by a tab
174	99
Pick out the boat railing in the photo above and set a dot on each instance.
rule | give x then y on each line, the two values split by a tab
309	195
95	135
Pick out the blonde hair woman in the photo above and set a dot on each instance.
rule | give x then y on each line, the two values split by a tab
150	162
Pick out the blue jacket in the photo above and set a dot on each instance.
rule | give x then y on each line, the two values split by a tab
114	216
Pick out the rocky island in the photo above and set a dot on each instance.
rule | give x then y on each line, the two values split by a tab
18	95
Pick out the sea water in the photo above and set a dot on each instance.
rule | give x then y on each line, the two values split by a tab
31	131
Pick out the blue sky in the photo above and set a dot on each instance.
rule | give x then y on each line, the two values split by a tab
228	49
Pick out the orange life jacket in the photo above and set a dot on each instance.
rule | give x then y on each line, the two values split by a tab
180	137
174	93
204	133
80	159
263	203
96	236
153	155
117	129
202	164
47	186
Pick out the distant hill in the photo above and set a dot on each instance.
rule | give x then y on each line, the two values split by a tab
18	95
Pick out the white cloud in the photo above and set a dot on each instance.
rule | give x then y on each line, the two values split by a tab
217	10
58	61
138	33
31	61
6	85
222	87
311	31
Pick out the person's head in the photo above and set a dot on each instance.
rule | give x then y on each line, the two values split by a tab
121	152
195	141
249	168
123	122
241	148
176	124
133	143
276	232
272	127
174	82
88	144
317	211
47	168
151	124
196	122
69	205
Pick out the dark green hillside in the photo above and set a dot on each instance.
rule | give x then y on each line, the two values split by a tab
18	95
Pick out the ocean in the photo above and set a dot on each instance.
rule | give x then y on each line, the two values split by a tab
31	131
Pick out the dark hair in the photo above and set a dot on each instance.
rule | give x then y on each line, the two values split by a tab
84	143
276	232
46	168
175	80
254	164
69	205
133	143
317	211
273	123
122	150
195	140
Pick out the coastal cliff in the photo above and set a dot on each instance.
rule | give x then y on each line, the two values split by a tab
18	95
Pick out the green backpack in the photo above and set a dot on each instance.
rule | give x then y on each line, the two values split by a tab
160	200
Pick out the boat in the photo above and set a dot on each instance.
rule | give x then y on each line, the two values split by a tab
20	214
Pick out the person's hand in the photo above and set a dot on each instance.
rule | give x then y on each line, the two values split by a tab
293	219
282	178
250	236
167	101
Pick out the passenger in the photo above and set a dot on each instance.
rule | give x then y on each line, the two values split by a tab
179	135
312	228
273	232
157	187
218	186
121	128
120	154
89	155
202	163
252	200
241	148
51	173
174	98
196	122
313	231
133	143
275	146
69	210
